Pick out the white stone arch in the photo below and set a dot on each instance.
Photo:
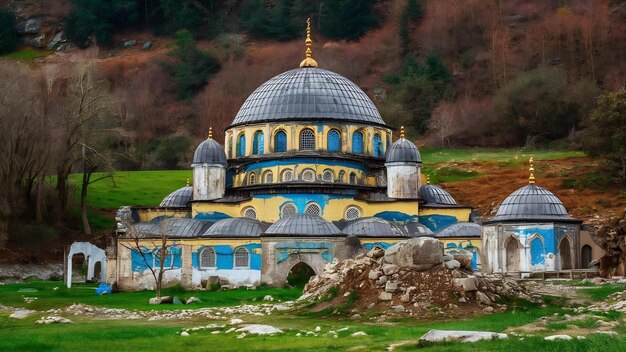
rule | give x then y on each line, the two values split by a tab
92	255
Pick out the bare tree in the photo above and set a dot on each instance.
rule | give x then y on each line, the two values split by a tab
441	121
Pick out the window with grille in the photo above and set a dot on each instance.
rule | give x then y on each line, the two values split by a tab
249	213
352	213
334	141
313	209
307	140
241	145
328	176
258	143
377	146
342	176
352	178
308	175
280	142
252	178
357	142
286	176
207	258
288	210
242	258
269	177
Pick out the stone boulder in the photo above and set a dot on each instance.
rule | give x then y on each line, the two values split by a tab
420	253
462	336
464	258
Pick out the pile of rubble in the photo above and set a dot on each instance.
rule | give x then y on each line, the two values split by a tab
614	302
413	277
612	238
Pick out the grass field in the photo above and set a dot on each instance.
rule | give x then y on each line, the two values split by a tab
148	188
27	53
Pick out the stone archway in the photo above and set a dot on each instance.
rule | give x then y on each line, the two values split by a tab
91	255
586	256
565	254
299	275
512	248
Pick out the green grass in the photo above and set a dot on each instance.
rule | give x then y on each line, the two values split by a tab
601	292
442	155
27	54
449	174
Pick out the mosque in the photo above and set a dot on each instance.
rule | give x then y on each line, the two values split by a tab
309	173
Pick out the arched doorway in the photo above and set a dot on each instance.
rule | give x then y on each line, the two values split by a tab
512	255
299	275
79	268
585	256
565	254
97	268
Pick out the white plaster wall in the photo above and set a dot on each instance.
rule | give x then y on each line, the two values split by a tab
236	277
209	181
489	249
402	180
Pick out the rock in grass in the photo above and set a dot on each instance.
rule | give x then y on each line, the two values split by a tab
184	333
22	313
259	329
359	333
53	319
268	298
462	336
557	337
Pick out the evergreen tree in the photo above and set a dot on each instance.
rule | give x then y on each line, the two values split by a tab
347	19
8	34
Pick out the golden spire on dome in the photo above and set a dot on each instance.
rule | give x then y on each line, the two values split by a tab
308	60
401	131
427	179
210	133
188	183
531	169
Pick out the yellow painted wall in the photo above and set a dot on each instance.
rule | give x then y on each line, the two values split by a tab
461	214
148	214
297	169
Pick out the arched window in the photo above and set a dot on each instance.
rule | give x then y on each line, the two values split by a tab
357	142
230	147
241	145
242	258
252	178
328	175
249	213
377	146
307	139
334	141
342	176
308	175
313	209
288	210
268	177
258	143
207	258
352	178
280	142
286	175
352	213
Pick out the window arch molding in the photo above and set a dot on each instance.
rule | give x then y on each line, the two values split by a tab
328	175
308	175
208	258
358	145
307	139
252	178
241	258
258	143
268	177
288	209
286	175
352	212
313	209
241	145
280	141
333	140
377	146
249	212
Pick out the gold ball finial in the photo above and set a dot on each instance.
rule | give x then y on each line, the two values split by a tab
188	183
401	131
427	179
210	133
531	169
308	53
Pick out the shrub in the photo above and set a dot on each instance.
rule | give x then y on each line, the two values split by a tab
172	150
347	19
8	34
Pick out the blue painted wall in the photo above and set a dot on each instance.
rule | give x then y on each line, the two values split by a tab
213	216
138	263
537	252
295	161
285	249
437	222
301	200
224	256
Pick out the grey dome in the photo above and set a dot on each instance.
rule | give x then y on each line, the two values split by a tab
372	227
235	227
434	195
209	152
178	199
402	151
308	93
303	225
532	203
173	228
460	229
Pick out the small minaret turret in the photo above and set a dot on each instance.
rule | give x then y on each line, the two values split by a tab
209	170
403	162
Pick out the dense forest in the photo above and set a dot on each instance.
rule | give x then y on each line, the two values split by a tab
455	73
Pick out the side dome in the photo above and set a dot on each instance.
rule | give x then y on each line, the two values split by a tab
235	227
434	195
210	152
372	227
532	203
308	93
403	151
303	225
460	229
178	199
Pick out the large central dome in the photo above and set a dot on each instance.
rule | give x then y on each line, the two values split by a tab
308	93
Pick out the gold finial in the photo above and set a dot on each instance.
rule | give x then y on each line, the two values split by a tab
531	178
210	133
427	179
188	183
308	60
401	131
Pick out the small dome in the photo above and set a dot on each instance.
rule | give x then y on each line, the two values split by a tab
173	227
403	151
178	199
532	203
308	93
434	195
460	229
235	227
209	152
372	227
303	225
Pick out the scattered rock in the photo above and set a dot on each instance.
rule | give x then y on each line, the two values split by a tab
22	313
461	336
488	310
374	274
557	337
192	299
421	253
235	321
359	333
398	309
318	329
452	264
147	45
259	329
482	298
184	333
465	259
385	296
53	320
268	298
390	269
468	283
391	287
381	280
242	335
